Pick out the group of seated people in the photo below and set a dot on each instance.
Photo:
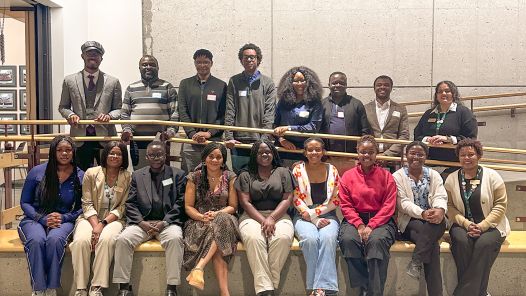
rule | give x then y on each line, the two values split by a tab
201	216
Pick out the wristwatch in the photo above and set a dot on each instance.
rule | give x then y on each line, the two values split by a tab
104	222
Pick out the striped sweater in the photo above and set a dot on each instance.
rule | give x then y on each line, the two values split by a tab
143	100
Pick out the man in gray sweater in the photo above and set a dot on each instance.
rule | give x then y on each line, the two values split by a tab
202	99
250	102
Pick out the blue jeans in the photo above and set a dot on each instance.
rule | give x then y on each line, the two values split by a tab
319	250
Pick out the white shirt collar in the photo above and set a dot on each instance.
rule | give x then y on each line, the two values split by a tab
452	108
86	78
384	106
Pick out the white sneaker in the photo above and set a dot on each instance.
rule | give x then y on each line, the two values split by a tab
51	292
97	291
81	292
38	293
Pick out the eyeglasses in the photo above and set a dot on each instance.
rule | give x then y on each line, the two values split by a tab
154	156
115	155
250	57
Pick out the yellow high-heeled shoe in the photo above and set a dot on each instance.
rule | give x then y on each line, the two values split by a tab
196	278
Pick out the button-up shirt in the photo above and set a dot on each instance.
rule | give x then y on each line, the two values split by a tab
86	78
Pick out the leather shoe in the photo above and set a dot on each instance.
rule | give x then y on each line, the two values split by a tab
266	293
363	291
124	292
171	293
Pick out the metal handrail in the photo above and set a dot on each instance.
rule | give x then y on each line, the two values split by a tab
469	98
213	126
480	109
266	131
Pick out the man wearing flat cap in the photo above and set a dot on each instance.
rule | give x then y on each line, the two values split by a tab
90	94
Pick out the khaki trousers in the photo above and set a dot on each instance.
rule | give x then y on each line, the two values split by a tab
171	239
81	254
266	257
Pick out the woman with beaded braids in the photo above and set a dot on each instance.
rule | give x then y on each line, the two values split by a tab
51	201
211	233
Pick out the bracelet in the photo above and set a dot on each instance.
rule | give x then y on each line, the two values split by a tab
272	217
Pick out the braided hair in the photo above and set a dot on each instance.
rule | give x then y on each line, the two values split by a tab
203	187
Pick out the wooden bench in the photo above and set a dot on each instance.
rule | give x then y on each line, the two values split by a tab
515	243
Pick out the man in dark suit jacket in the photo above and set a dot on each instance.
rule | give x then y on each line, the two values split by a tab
90	94
154	209
387	118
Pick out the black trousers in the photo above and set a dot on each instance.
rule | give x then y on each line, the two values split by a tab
87	153
425	235
367	263
474	258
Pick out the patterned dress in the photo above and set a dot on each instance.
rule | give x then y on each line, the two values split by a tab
224	230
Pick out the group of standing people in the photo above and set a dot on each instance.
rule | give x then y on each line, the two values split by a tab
200	213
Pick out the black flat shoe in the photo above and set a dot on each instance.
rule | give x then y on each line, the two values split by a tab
171	293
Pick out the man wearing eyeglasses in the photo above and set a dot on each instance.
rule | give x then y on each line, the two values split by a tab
150	98
250	102
202	99
154	209
90	94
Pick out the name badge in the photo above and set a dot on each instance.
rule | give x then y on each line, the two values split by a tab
474	182
340	114
304	114
157	95
396	114
119	189
432	119
242	93
167	182
211	97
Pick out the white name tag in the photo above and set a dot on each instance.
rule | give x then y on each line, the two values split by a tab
242	93
157	95
167	182
211	97
304	114
340	114
396	114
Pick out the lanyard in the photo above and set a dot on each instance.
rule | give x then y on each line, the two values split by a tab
440	121
467	191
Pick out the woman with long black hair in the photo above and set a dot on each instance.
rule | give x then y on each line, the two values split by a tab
51	201
211	233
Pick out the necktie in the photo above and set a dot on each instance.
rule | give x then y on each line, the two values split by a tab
91	84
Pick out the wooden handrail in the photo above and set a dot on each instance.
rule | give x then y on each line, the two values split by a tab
469	98
481	109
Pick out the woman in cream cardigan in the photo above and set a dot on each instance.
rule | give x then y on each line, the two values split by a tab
316	225
422	203
476	208
104	193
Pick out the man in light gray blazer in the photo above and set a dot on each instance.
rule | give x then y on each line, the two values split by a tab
90	94
387	118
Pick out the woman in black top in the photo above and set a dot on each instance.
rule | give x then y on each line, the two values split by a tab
447	122
265	193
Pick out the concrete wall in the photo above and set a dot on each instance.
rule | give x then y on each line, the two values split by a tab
508	276
480	45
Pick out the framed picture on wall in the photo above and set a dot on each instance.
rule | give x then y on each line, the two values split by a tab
22	73
7	76
8	100
11	129
24	129
22	97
